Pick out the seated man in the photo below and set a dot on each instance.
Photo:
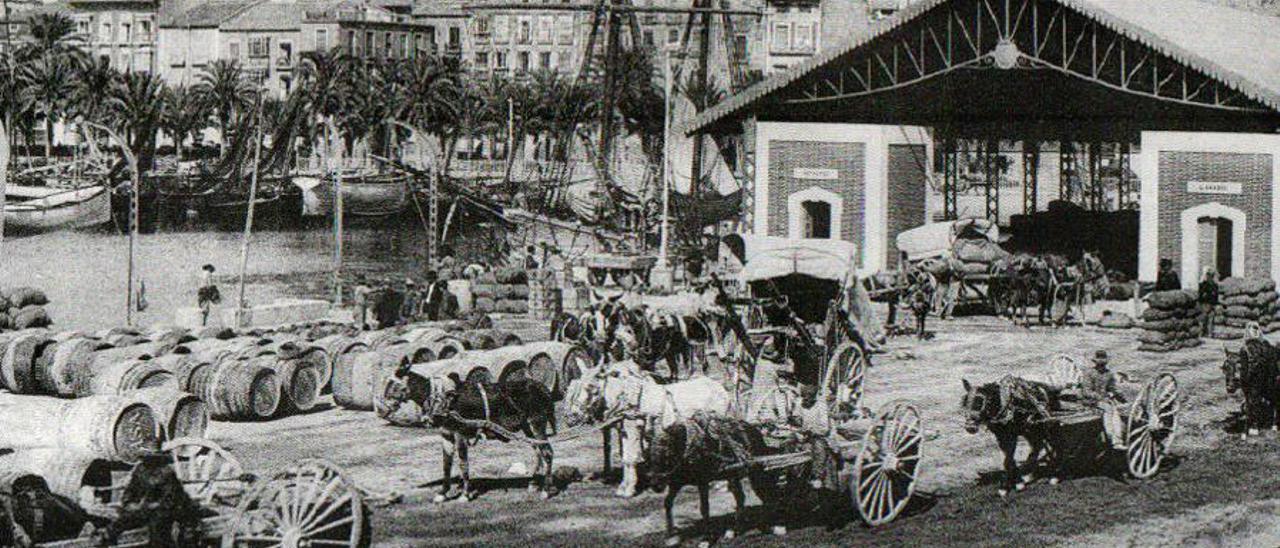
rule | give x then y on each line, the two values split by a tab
1100	386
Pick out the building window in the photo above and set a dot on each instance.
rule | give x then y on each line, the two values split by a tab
233	50
564	30
105	34
648	37
524	61
369	46
817	219
502	29
455	38
482	25
544	60
322	40
804	38
673	36
82	27
781	37
482	59
286	53
352	45
126	30
258	47
387	49
144	31
545	27
404	45
500	60
431	38
740	42
524	36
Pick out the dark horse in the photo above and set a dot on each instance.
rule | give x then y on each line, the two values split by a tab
594	329
1255	370
1013	408
700	450
648	342
30	513
462	412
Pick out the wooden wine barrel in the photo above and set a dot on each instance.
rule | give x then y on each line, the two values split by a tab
18	353
66	366
447	348
339	348
479	339
170	339
88	481
555	364
181	414
311	355
107	427
299	382
118	377
183	367
354	386
236	389
381	338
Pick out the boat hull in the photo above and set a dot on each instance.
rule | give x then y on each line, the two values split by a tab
66	210
367	196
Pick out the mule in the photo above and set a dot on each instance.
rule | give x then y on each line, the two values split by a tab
697	451
1255	371
1009	416
622	390
520	406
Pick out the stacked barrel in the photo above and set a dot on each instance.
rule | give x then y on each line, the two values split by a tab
23	308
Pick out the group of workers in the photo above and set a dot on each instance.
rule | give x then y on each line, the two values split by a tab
384	304
1207	292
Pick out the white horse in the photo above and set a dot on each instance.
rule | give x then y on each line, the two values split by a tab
622	390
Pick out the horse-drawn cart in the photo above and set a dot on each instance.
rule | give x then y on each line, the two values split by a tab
621	267
308	503
1149	422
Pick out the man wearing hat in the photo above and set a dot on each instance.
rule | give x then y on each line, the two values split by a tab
412	304
1100	385
207	295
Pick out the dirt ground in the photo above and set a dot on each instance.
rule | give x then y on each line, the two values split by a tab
1213	490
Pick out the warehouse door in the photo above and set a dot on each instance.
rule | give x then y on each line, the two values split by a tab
1215	245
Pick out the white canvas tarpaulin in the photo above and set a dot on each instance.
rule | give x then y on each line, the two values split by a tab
932	240
768	257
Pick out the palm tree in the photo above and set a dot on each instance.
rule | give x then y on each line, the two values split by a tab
227	92
87	98
321	74
185	115
137	103
641	103
46	80
52	34
433	88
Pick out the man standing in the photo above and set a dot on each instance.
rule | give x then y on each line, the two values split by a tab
1207	298
207	296
412	304
360	294
1167	279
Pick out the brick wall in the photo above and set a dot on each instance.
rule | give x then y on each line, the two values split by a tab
848	159
1252	170
908	184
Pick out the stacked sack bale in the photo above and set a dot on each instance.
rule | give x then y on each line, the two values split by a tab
505	290
1242	301
1171	322
976	255
23	308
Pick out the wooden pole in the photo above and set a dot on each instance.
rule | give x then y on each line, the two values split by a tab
135	180
248	218
4	177
337	221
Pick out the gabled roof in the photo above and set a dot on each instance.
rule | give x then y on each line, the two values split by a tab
428	8
1238	48
207	14
268	16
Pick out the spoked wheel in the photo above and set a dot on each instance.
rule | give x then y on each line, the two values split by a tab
844	377
207	471
310	503
597	276
885	471
1064	371
1153	421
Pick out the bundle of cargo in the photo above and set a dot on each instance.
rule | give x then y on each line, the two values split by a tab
23	308
1171	322
966	246
505	290
1242	301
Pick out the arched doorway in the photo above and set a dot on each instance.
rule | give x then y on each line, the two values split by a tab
1212	236
814	213
817	219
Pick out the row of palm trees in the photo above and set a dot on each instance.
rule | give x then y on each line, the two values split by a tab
51	79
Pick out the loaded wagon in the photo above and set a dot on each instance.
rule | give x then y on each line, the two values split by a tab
831	441
311	502
624	269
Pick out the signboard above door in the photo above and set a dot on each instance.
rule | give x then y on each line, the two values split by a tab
815	173
1208	187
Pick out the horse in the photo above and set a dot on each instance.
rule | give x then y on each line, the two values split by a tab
623	391
695	334
30	513
1013	408
464	411
646	343
155	498
1255	371
697	451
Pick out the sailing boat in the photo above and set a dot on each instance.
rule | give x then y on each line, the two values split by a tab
34	209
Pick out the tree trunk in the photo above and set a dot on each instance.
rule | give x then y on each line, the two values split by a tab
48	140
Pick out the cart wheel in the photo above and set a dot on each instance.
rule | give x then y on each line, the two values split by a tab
1064	371
597	276
755	317
1153	420
310	503
845	373
885	471
206	470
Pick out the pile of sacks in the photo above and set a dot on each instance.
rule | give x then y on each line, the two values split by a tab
23	308
505	290
1171	322
1242	301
